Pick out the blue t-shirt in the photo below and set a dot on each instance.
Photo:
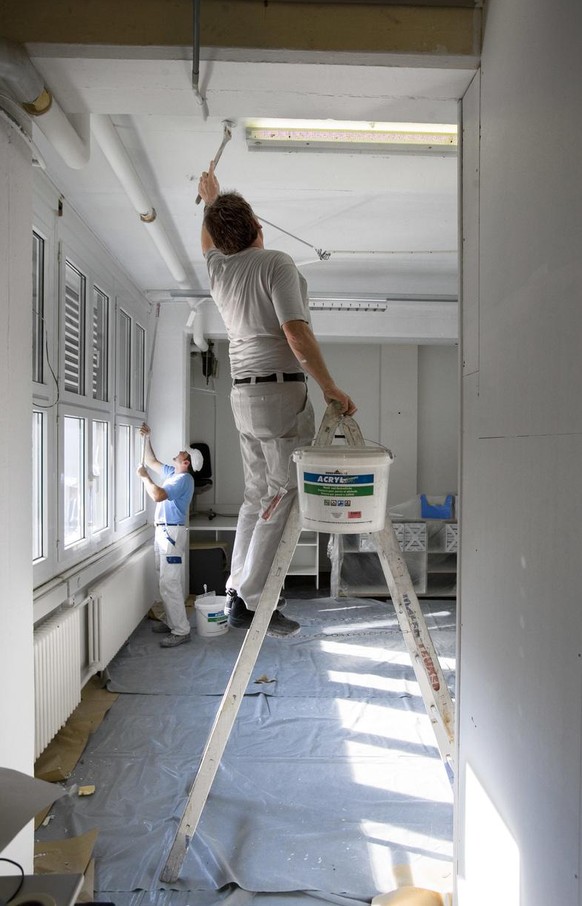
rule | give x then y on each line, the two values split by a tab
179	488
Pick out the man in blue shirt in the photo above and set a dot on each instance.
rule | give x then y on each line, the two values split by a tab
172	500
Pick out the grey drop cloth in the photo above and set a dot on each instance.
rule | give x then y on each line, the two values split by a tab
330	783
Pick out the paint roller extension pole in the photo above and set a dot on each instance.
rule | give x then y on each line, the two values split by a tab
149	381
226	138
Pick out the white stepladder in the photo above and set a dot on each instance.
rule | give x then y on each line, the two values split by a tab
417	638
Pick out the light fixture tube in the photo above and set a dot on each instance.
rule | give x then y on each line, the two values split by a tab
370	141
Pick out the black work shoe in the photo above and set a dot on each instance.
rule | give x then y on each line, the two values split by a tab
231	595
158	626
240	617
282	627
230	599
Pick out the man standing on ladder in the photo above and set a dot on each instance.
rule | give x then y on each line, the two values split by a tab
263	301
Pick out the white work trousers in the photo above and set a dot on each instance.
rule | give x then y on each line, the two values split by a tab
272	420
170	550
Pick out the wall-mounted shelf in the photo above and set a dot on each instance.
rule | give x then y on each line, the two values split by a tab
430	551
305	560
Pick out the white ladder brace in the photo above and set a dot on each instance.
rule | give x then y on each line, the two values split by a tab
427	669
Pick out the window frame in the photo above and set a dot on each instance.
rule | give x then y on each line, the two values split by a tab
95	279
109	391
40	459
45	395
107	452
39	276
45	392
65	239
81	393
137	400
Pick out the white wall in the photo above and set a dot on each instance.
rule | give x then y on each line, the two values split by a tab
384	382
16	663
168	404
438	419
520	733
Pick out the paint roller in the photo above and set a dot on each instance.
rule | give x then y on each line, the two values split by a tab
226	137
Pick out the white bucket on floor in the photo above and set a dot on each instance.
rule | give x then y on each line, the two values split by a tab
211	619
343	489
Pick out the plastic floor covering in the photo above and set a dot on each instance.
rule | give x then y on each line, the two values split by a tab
331	788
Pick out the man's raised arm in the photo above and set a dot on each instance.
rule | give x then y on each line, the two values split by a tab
209	190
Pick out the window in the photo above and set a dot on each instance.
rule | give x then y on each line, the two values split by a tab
123	476
139	374
100	346
38	487
130	496
74	329
138	496
74	479
99	476
124	361
37	308
85	491
131	353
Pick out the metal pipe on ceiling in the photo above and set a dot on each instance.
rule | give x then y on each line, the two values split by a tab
196	58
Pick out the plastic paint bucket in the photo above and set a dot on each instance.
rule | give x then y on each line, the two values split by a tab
211	619
343	490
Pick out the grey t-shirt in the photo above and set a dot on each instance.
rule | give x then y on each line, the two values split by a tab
256	291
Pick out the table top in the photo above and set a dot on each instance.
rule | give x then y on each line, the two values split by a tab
202	523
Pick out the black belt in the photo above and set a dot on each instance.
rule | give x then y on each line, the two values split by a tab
270	378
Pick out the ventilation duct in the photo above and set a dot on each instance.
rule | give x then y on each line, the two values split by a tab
30	91
119	161
195	324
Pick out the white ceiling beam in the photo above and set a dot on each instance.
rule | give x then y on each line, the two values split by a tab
416	322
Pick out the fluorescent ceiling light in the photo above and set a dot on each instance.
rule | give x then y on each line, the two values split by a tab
351	137
370	302
347	305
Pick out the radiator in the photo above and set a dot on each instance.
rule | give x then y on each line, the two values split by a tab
69	647
117	604
57	674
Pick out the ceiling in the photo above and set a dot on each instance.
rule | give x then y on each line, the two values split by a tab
389	220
